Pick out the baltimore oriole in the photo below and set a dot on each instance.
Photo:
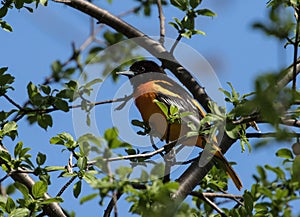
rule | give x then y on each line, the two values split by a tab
152	85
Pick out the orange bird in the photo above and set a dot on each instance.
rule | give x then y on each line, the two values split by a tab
152	86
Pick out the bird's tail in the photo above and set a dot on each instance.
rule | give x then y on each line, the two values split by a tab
229	170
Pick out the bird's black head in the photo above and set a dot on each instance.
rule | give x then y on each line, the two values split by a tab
141	67
145	66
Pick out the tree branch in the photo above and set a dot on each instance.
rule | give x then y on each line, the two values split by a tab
296	46
112	204
161	22
209	202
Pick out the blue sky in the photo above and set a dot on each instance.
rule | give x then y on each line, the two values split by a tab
237	52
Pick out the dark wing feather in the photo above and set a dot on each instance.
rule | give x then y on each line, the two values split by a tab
181	99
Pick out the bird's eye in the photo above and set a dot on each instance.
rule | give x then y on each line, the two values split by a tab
141	69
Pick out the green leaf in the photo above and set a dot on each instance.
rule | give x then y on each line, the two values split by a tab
277	170
195	3
82	163
41	158
77	188
123	172
56	67
29	9
144	176
39	189
53	200
163	107
91	83
6	79
19	4
158	170
73	85
10	205
206	12
46	89
5	26
19	212
198	32
4	155
9	127
88	119
44	2
110	134
296	169
138	123
61	105
32	90
22	188
175	25
3	12
45	121
181	4
88	198
173	110
233	131
187	34
248	202
3	69
64	139
18	149
54	168
261	172
131	151
285	153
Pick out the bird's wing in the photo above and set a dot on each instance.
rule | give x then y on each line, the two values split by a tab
171	93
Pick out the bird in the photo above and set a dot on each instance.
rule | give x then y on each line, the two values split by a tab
152	87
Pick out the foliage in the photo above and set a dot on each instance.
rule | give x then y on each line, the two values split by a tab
274	189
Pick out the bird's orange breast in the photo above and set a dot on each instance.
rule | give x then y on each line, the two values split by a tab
145	96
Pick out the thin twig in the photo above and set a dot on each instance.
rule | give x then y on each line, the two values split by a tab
12	102
209	202
245	120
169	162
154	146
134	156
185	162
114	198
175	44
290	122
169	157
145	155
49	110
226	195
161	22
296	44
2	191
111	205
66	186
270	134
221	195
4	177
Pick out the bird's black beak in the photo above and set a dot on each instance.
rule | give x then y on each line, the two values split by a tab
127	73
